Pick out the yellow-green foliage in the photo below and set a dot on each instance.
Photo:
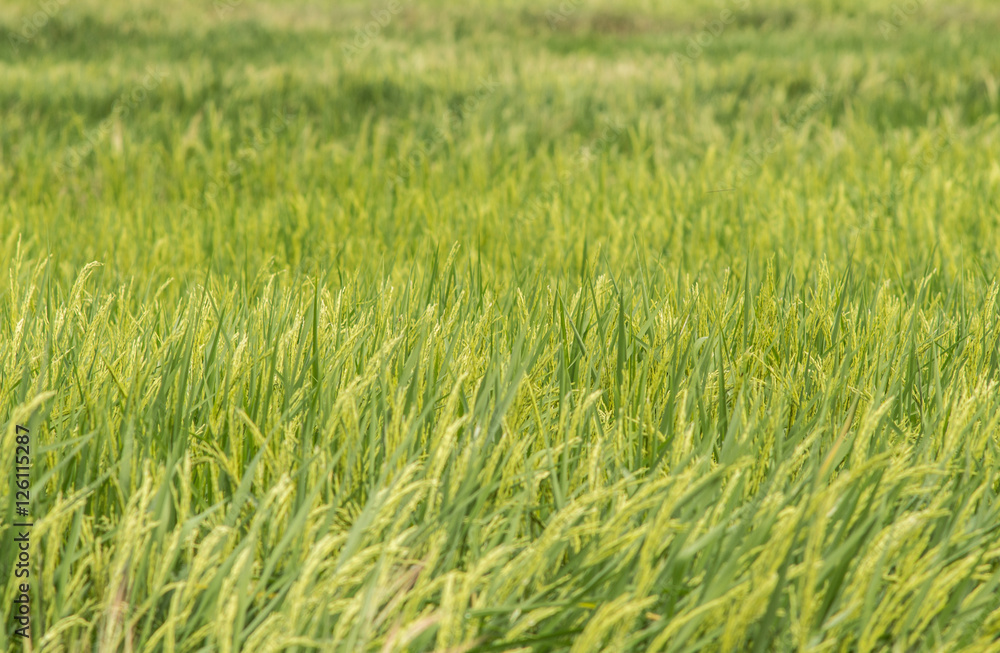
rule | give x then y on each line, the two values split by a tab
509	329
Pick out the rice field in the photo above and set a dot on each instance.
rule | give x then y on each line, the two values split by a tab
439	326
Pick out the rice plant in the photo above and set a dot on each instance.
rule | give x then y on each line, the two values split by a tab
505	327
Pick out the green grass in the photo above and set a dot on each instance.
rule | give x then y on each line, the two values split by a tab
499	337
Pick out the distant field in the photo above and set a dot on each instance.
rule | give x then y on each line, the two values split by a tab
581	326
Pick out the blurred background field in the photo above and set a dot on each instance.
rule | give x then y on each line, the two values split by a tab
230	73
505	326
